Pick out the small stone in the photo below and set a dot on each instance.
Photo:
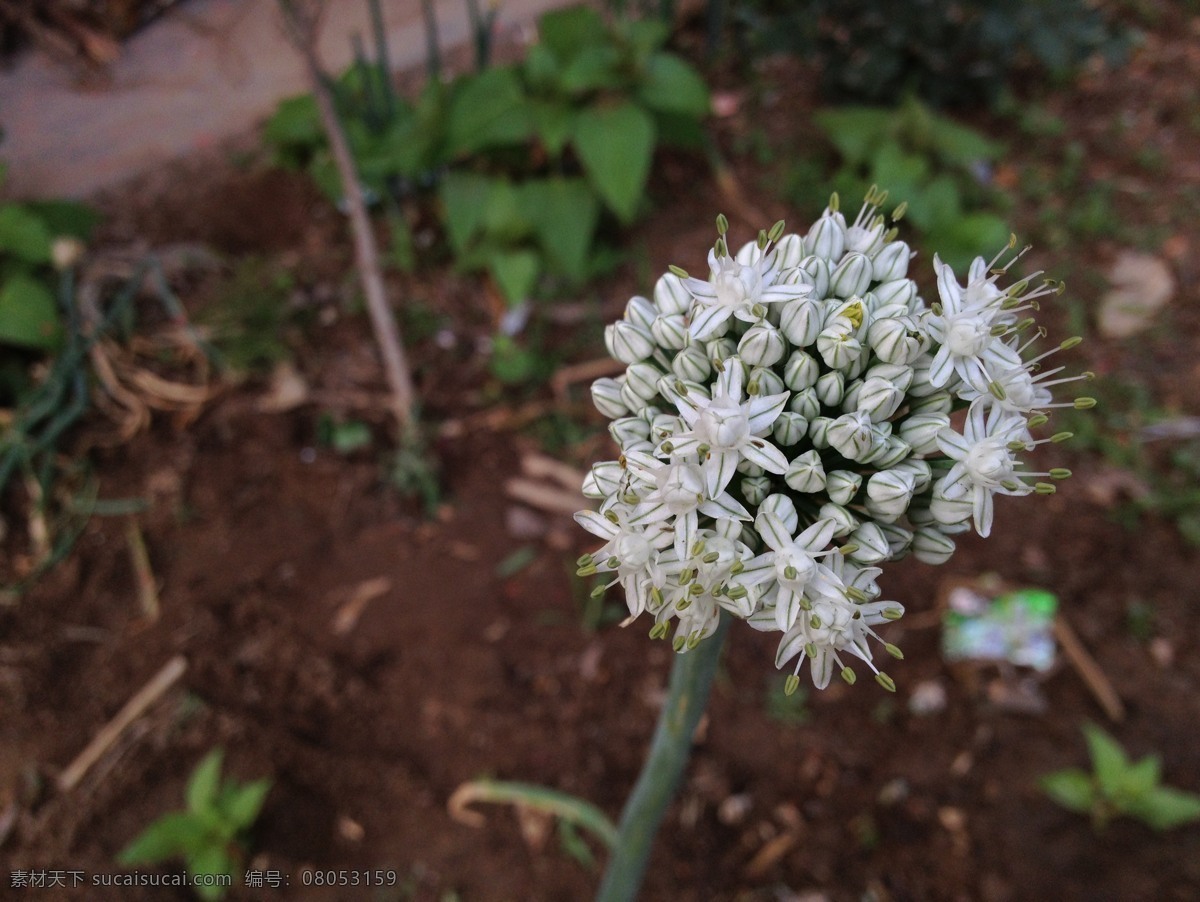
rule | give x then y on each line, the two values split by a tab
733	809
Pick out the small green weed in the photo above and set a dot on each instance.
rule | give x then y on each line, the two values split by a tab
1119	787
210	833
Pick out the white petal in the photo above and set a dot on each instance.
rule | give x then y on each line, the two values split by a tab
982	510
765	455
764	411
719	470
817	536
707	321
725	506
787	608
773	531
597	525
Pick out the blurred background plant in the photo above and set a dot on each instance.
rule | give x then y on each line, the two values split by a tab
527	161
961	53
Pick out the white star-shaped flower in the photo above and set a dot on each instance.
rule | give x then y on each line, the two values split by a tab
725	429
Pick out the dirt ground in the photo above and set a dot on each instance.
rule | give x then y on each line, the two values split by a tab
369	660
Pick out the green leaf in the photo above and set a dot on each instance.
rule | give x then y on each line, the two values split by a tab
296	125
541	68
211	860
899	173
1108	760
1164	808
503	218
66	217
1141	778
671	85
937	205
959	241
243	806
960	145
28	314
564	213
170	836
593	69
488	109
515	273
201	792
553	122
464	197
1074	789
23	235
644	36
615	144
567	31
855	131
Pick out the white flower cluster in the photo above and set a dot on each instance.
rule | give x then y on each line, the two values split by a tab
786	427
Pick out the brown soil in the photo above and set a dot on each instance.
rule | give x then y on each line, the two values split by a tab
258	537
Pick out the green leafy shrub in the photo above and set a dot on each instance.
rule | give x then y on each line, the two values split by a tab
1120	787
210	833
527	159
948	53
928	162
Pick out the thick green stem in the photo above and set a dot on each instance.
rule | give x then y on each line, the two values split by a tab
687	695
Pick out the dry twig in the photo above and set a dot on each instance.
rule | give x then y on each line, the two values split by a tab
301	21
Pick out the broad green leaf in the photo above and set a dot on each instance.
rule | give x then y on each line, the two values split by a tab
644	36
671	85
935	205
961	145
28	314
959	241
23	235
201	792
567	31
503	216
246	802
553	122
897	172
594	68
1164	808
488	109
170	836
564	213
210	860
855	131
1108	760
296	125
1141	778
1071	788
541	68
464	197
515	273
66	217
616	145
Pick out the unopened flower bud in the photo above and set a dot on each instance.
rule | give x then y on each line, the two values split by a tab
872	544
930	546
898	291
628	342
851	277
641	311
806	473
896	340
842	486
921	431
692	364
830	388
898	538
762	345
789	429
818	432
606	395
801	371
890	263
670	331
767	380
805	403
879	399
755	489
670	296
788	252
782	507
627	430
801	321
850	435
844	521
827	237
